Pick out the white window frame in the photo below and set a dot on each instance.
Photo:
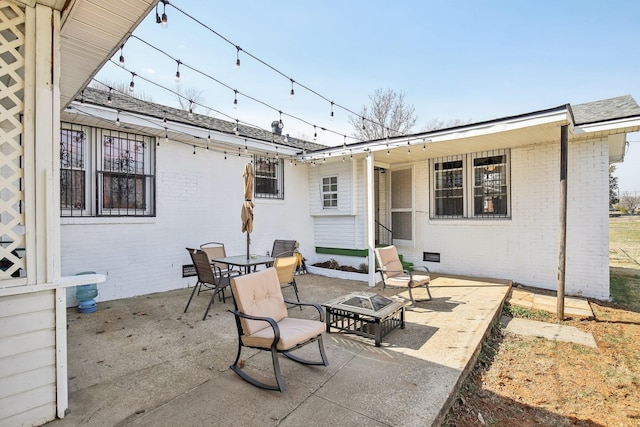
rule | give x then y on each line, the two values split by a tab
93	159
409	209
328	194
468	185
278	178
87	168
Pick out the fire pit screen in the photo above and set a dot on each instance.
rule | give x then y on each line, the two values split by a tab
367	301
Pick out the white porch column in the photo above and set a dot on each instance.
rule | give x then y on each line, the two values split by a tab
371	217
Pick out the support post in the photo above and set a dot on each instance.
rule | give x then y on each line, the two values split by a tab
562	261
370	220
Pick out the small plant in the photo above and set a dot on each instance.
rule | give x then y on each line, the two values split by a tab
525	313
333	264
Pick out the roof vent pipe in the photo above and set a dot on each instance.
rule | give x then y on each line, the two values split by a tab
276	127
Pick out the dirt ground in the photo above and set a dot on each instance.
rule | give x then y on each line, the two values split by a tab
527	381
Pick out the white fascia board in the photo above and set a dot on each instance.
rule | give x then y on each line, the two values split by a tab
141	120
561	117
608	126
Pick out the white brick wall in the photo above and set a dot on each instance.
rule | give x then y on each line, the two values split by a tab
525	247
199	198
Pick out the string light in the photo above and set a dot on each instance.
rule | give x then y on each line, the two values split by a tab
235	98
292	93
280	120
315	133
166	136
109	100
132	85
118	118
238	151
164	119
82	97
363	127
409	147
194	150
163	20
151	122
331	115
183	64
237	129
178	71
191	109
121	55
351	154
246	149
238	49
225	155
256	58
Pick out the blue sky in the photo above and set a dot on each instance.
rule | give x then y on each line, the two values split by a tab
470	60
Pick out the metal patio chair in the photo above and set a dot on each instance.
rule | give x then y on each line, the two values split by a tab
263	323
217	250
210	277
394	275
286	267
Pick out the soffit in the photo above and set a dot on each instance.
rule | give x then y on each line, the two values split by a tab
92	31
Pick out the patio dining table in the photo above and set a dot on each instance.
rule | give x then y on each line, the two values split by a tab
243	262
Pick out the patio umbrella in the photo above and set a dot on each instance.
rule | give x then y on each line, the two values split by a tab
247	207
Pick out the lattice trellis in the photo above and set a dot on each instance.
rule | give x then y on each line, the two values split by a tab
12	234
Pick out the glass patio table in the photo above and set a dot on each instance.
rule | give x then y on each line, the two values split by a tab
242	261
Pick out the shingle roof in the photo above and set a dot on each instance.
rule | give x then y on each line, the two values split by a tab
134	105
606	109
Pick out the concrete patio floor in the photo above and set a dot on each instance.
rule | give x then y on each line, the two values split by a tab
141	361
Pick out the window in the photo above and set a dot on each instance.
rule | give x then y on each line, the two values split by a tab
402	204
72	169
269	178
490	186
329	192
448	178
474	185
106	173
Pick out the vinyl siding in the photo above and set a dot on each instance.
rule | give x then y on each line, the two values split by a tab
27	359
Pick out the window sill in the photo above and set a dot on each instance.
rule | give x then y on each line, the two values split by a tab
106	220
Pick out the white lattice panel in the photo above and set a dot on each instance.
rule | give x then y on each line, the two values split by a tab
12	238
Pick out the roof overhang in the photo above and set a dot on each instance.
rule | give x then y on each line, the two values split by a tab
614	130
516	131
105	118
91	32
537	128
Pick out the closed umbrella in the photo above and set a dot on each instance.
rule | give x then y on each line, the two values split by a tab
247	206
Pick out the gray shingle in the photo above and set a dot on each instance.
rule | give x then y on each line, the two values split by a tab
134	105
606	109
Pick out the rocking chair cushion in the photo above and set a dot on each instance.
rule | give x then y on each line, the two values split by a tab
404	280
390	261
292	332
260	295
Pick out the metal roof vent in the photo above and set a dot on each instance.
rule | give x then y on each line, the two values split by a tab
276	127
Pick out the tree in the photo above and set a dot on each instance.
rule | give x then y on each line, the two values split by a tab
121	88
387	115
190	98
629	202
613	187
436	123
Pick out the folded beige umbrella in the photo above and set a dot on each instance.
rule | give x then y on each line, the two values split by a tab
247	206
